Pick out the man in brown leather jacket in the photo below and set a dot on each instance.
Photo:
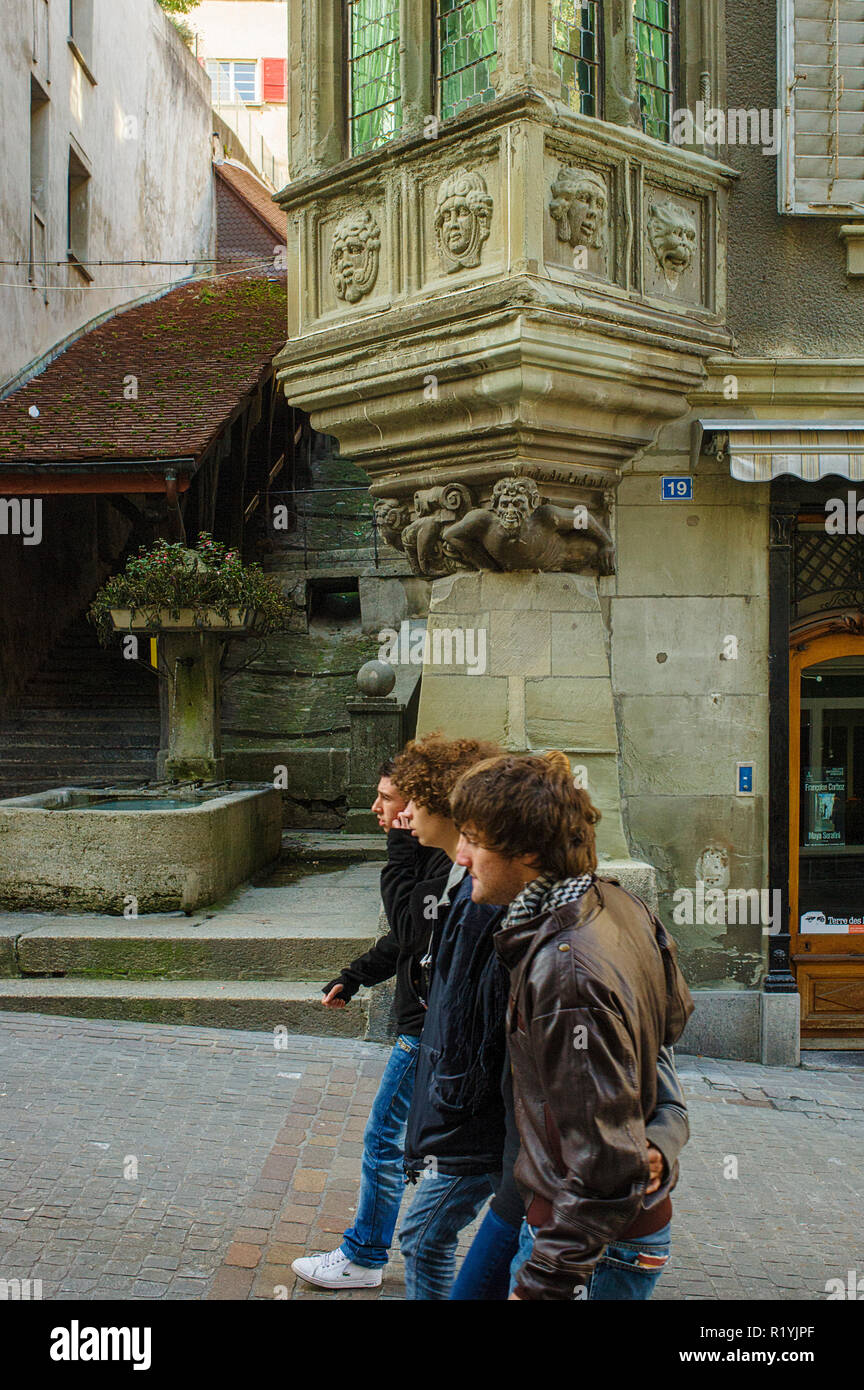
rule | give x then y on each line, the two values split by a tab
595	993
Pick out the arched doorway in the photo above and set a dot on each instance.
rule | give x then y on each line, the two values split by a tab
826	824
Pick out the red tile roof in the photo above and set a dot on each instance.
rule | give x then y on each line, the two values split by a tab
196	353
256	195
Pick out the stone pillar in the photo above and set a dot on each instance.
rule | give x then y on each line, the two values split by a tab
415	69
316	85
536	676
194	697
525	48
376	734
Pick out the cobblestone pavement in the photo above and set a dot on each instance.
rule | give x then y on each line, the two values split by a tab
147	1161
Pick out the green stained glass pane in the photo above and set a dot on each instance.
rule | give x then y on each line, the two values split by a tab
373	61
576	52
467	37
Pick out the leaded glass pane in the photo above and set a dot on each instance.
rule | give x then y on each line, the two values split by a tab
654	45
576	53
467	46
375	95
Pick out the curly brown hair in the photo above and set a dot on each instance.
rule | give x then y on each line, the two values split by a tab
427	769
528	805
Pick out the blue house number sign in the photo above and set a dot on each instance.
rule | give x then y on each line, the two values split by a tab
677	489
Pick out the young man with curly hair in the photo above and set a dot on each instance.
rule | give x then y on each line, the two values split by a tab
595	994
412	881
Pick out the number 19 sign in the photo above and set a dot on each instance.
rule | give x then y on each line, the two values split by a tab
677	489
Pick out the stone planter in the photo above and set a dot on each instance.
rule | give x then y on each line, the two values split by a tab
156	620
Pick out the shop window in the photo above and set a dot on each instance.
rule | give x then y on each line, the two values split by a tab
374	90
655	64
576	49
467	52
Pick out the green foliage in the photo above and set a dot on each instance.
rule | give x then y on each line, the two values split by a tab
167	575
178	6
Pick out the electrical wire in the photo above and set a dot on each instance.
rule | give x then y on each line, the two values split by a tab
265	261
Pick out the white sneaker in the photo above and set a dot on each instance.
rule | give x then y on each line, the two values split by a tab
334	1270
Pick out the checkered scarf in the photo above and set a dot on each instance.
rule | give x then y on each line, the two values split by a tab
543	895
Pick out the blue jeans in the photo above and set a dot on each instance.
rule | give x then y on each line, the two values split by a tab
382	1183
442	1207
618	1273
485	1273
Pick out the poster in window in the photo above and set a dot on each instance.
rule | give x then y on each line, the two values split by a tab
825	790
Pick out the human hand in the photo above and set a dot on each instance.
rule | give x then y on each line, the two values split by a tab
656	1164
402	821
333	1000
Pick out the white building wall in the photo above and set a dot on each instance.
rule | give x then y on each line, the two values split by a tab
137	114
249	30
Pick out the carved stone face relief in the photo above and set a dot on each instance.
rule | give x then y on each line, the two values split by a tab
354	255
673	238
513	500
463	212
579	206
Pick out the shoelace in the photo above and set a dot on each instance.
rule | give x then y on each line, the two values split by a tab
333	1257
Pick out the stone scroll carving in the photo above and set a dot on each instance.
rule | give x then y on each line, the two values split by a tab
354	255
579	209
516	530
672	236
463	213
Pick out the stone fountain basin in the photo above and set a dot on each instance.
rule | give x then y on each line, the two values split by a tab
59	850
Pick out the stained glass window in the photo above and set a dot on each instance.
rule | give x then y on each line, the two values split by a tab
576	53
467	50
654	64
375	97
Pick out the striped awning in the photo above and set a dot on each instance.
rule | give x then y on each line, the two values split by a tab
761	451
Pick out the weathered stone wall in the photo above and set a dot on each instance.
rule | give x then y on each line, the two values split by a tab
144	129
690	575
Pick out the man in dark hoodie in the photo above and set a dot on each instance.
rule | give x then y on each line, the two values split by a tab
365	1248
595	994
413	878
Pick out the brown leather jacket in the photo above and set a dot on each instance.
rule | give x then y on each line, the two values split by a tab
595	992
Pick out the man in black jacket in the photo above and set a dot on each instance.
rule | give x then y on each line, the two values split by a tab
413	878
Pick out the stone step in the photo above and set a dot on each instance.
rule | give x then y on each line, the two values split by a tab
234	946
260	1004
318	846
55	741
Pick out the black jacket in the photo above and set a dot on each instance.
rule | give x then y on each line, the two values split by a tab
456	1121
411	878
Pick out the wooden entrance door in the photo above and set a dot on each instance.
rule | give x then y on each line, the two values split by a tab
826	850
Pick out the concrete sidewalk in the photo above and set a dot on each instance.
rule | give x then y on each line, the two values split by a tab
152	1161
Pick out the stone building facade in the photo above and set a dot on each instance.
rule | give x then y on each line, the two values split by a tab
555	318
107	182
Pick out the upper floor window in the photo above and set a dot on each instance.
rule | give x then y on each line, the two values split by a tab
821	166
467	50
374	91
235	81
655	61
576	53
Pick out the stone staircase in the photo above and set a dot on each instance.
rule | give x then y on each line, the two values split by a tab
258	960
88	718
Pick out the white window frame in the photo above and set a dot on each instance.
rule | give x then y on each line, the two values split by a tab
787	200
219	101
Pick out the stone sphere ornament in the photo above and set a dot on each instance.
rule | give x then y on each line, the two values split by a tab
376	678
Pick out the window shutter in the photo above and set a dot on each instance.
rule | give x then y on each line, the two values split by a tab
822	97
274	79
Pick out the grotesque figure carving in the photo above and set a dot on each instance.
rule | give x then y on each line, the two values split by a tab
391	518
354	255
672	235
578	207
463	212
434	509
519	531
712	867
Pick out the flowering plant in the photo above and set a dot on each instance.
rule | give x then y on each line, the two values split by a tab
168	576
